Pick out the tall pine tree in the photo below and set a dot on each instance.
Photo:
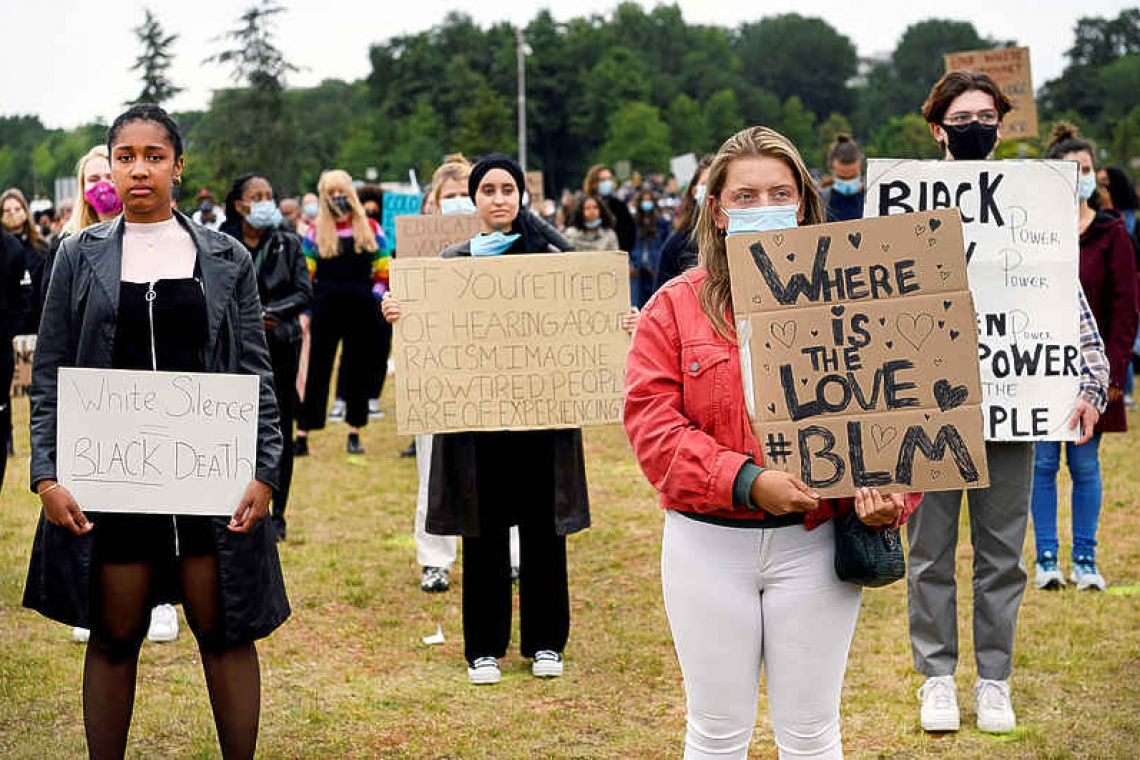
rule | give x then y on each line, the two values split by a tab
154	62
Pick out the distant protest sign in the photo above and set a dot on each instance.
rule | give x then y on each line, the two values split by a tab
1020	225
427	235
858	353
534	188
683	167
24	347
1009	68
518	342
395	205
156	442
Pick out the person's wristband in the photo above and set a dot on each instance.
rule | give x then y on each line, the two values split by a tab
48	490
742	485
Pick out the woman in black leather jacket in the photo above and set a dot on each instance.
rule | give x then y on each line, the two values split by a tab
104	573
283	283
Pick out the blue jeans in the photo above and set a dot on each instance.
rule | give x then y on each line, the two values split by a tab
1084	469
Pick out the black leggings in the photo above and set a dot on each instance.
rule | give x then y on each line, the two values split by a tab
7	369
122	596
378	367
350	318
285	357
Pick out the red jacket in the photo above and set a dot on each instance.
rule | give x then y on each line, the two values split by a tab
685	413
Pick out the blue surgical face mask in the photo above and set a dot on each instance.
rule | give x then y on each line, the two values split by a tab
595	224
848	186
311	210
699	194
606	187
263	214
494	244
1086	185
648	206
459	205
760	219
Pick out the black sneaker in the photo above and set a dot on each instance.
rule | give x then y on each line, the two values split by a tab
301	446
354	446
434	580
410	451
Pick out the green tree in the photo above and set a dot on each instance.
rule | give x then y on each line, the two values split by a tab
826	132
687	126
1126	139
798	125
1120	81
154	61
1100	41
793	55
722	115
904	137
637	134
487	124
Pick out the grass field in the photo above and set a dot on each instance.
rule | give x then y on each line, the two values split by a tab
348	676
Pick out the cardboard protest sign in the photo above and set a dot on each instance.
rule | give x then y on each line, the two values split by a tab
427	235
156	442
534	188
1009	68
394	205
516	342
858	353
24	347
1020	225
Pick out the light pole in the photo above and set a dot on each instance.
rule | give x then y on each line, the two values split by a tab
523	51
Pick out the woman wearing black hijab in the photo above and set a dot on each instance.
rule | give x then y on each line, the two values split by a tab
484	482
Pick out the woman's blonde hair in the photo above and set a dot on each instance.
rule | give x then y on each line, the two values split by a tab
29	228
454	167
716	293
328	244
84	214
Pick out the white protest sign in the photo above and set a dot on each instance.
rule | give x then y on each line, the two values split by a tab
156	442
1019	220
683	167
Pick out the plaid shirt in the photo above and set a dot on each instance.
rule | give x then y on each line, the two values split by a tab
1094	362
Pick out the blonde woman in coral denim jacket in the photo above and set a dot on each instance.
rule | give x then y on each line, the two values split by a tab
747	558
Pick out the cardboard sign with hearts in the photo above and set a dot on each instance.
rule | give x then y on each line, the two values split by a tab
859	353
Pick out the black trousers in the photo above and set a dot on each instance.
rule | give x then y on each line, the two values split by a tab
350	318
285	357
7	369
378	368
544	600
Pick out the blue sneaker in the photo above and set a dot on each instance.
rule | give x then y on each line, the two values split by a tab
1048	575
1085	574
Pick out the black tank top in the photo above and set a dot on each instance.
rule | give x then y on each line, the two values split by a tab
165	331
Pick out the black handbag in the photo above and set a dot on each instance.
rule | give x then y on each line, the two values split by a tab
866	556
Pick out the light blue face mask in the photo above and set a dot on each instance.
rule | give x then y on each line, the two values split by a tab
263	214
848	186
648	206
459	205
699	194
1086	186
606	187
594	224
760	219
494	244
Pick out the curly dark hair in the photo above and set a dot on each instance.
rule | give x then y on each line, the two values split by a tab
147	112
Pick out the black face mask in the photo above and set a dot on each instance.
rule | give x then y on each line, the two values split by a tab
971	142
340	205
373	215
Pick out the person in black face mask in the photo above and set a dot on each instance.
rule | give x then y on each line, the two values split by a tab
965	110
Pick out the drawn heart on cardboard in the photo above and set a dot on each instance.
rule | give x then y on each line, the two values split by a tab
882	435
785	332
949	396
855	238
779	239
935	224
915	329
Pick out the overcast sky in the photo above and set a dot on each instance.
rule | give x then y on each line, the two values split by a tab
69	60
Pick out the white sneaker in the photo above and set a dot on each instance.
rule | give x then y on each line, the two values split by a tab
547	664
80	635
336	413
374	410
163	623
939	711
1086	576
995	710
484	670
1048	573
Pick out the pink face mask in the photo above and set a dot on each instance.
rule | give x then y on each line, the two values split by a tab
103	197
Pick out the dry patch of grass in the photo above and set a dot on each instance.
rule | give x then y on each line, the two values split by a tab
347	676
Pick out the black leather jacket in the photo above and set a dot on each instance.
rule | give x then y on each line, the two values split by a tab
78	329
283	282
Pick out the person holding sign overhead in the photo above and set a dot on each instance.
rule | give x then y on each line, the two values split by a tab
965	111
484	482
1108	278
747	557
150	291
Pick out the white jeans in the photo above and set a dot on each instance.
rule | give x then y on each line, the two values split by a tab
433	550
739	598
